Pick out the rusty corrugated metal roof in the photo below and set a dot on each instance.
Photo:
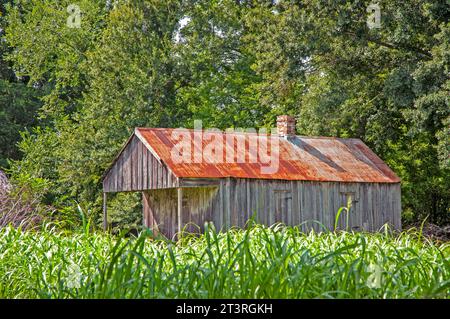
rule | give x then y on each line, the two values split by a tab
300	158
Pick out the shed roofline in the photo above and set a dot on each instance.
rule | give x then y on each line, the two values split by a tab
146	144
116	158
184	178
248	133
152	151
149	147
138	134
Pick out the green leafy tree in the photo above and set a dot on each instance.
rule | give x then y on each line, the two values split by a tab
117	71
18	103
132	80
386	84
231	63
18	109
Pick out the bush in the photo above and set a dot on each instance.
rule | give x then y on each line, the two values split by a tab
20	205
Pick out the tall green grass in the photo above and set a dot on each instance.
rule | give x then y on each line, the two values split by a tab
260	262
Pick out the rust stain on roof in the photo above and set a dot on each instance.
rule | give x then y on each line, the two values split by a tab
300	158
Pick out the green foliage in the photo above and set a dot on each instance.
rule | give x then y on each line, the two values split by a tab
229	63
51	53
20	203
125	91
18	103
259	262
220	83
18	111
107	77
388	86
125	212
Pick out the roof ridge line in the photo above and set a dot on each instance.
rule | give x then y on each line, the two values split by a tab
243	132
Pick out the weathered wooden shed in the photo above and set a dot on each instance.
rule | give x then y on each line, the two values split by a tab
313	178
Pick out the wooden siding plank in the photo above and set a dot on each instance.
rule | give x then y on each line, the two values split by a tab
295	214
325	211
365	208
151	172
154	174
139	166
248	207
133	165
228	203
145	169
221	204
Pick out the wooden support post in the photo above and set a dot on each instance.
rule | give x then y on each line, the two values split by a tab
180	208
144	208
105	211
148	214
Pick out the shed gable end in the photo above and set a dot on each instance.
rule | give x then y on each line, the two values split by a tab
136	169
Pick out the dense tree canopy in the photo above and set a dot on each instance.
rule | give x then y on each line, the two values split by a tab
18	103
229	63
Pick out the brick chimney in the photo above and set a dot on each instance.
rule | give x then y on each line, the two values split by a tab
286	125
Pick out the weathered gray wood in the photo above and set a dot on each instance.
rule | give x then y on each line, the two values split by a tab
144	169
397	207
180	208
221	205
225	202
234	187
136	169
326	190
105	211
198	182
